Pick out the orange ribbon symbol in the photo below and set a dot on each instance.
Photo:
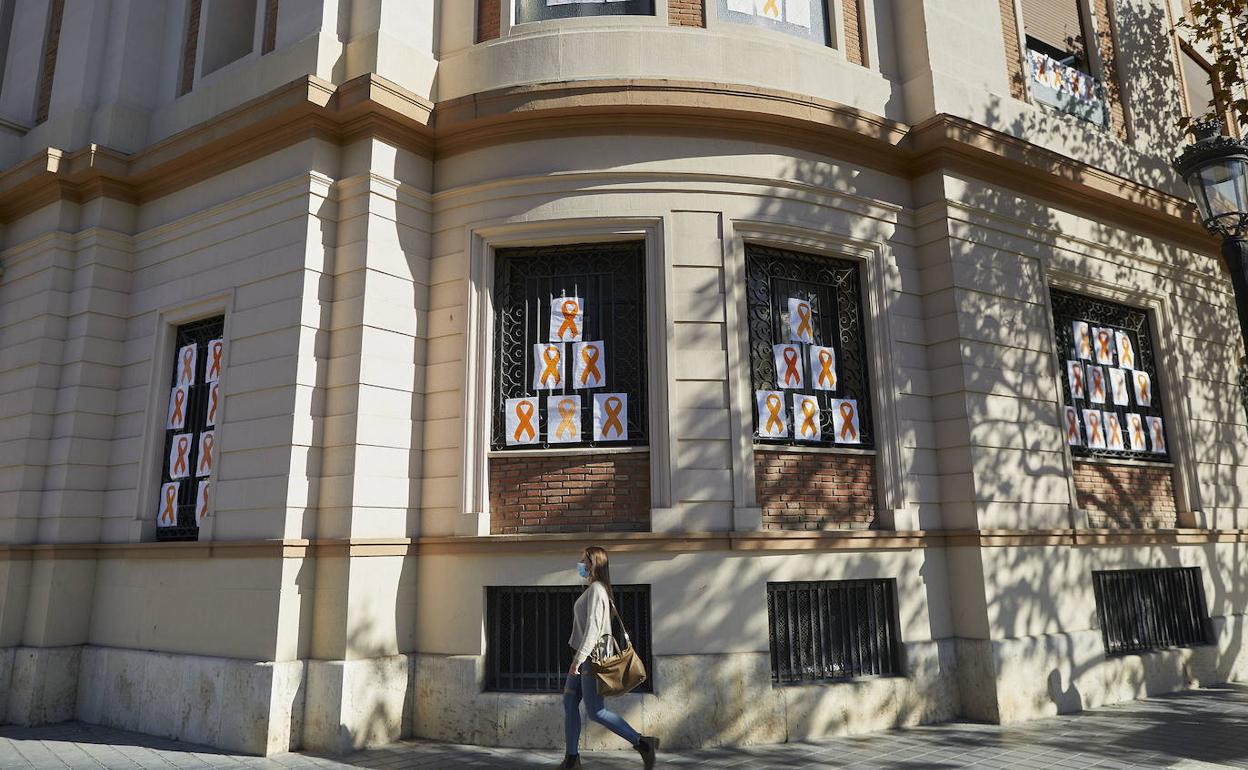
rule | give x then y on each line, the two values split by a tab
826	375
791	374
1094	430
847	422
613	405
1085	342
1126	352
1159	437
205	457
188	365
1102	337
1098	383
524	413
1115	436
1137	432
179	396
1077	370
589	355
179	463
567	418
167	515
212	406
774	405
569	308
803	326
551	356
215	369
809	428
1072	425
771	9
1141	380
204	501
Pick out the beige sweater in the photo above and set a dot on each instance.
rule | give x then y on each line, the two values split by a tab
591	618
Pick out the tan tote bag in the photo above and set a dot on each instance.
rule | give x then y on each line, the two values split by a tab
618	671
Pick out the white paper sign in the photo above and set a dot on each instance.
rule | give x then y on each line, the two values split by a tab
1157	435
180	456
1095	428
167	507
186	364
806	418
797	12
201	502
610	417
1103	344
216	348
547	366
214	400
1126	351
1113	431
1137	439
566	319
845	418
788	365
1083	340
207	440
822	368
801	321
521	421
1072	427
1096	384
1143	386
772	419
179	404
589	365
1074	373
1118	386
563	419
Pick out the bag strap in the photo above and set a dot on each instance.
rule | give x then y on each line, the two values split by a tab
627	641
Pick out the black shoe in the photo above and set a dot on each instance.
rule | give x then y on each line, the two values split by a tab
647	747
570	762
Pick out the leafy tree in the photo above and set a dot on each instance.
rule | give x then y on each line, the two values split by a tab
1222	25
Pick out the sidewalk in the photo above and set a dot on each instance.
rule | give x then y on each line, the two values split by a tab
1197	730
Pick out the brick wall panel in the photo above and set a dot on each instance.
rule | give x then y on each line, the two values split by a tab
1126	496
815	490
1013	50
489	19
562	493
855	50
686	13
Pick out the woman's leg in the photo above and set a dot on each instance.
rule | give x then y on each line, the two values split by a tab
598	711
572	714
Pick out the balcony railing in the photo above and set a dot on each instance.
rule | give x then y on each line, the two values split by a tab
1066	88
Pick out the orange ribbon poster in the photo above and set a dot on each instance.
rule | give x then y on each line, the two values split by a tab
1126	351
1143	388
167	505
845	418
1135	432
547	366
178	397
563	419
1083	340
589	364
806	421
801	324
1072	427
566	319
788	366
1096	430
1096	384
1103	341
1074	373
1118	390
1113	431
822	368
214	395
610	417
789	11
1157	431
772	417
215	350
180	456
201	502
206	453
521	421
186	364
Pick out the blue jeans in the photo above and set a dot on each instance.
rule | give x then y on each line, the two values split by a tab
585	686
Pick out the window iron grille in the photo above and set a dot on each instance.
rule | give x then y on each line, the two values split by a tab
199	333
1150	609
529	626
542	10
1069	307
834	290
609	279
833	629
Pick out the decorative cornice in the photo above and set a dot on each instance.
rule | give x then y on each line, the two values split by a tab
372	106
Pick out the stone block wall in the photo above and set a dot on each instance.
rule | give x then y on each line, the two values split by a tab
1126	496
815	490
570	493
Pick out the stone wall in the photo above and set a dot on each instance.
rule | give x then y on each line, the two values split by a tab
1126	496
570	493
809	490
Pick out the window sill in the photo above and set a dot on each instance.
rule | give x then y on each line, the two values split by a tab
838	680
823	450
1127	461
573	452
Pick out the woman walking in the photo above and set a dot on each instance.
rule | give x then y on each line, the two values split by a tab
591	621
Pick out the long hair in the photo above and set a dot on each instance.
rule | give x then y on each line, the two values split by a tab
599	568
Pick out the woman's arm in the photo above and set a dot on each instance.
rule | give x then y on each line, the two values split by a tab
595	627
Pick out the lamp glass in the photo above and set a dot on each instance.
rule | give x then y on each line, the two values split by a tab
1220	187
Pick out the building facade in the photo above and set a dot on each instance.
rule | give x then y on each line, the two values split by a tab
875	339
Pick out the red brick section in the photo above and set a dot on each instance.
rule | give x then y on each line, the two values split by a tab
1013	50
489	19
51	44
1105	35
686	13
854	49
1126	496
815	490
190	44
577	493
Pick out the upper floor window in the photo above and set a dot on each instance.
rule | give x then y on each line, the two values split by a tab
220	32
543	10
808	351
801	18
570	346
1060	72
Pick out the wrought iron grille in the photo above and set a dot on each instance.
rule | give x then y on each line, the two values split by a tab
200	333
833	289
833	629
1067	308
1243	383
609	279
542	10
1150	609
529	626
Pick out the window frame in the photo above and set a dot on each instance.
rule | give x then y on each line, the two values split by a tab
574	11
831	33
1124	603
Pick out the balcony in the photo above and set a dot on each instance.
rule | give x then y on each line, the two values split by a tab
1066	88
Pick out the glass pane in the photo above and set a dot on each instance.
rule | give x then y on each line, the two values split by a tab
1226	185
800	18
543	10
